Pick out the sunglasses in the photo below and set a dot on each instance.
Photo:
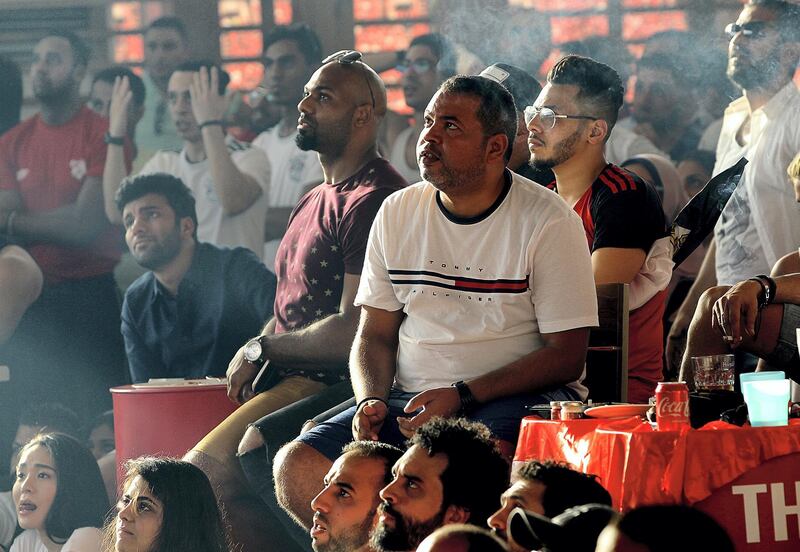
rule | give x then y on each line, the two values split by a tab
351	57
418	65
548	117
756	29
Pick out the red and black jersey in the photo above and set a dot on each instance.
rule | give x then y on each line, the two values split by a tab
622	210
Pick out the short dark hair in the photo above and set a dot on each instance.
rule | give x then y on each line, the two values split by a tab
600	88
81	499
664	62
496	112
80	50
697	530
169	22
104	418
441	48
10	93
51	417
109	74
378	450
177	194
564	487
191	518
193	66
476	473
301	34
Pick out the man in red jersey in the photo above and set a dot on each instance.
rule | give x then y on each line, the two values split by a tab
68	346
569	124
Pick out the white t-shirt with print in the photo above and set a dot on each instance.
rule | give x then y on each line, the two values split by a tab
85	539
245	229
477	294
293	172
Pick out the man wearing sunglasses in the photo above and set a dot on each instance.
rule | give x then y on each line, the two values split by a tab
622	216
761	221
421	76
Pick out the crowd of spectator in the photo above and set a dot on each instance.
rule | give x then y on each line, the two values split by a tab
385	294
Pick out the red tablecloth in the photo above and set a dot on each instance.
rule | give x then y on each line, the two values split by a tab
641	466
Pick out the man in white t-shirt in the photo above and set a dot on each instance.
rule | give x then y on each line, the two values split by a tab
229	179
477	295
291	54
761	221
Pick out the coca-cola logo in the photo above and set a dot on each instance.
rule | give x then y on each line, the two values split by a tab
671	408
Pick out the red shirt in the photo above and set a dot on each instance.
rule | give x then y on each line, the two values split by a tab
47	165
326	239
622	210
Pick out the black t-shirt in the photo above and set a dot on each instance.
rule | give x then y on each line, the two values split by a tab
621	210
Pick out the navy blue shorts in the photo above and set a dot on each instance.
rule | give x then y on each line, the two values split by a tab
501	416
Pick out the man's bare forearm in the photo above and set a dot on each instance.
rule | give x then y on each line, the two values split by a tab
548	366
76	224
114	172
237	191
372	367
326	341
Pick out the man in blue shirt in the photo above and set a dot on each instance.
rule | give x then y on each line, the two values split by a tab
198	303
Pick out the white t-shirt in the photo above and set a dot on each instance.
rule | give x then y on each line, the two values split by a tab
477	294
761	221
293	171
85	539
245	229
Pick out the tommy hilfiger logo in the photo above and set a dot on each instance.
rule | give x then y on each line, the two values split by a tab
457	283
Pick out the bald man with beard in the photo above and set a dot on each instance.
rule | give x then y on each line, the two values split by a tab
304	347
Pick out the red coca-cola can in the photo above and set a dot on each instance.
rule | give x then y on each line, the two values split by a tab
672	406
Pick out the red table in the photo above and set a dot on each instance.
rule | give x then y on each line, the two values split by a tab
748	479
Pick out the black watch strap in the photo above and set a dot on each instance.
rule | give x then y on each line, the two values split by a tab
114	140
468	402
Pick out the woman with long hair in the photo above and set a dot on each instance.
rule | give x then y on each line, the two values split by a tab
59	496
167	506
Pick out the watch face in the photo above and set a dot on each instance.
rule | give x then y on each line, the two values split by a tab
252	351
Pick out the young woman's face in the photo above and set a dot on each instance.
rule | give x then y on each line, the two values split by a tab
35	487
139	516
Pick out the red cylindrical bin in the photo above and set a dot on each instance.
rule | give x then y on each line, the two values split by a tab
165	420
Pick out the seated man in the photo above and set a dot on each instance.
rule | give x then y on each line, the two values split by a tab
345	510
319	265
470	318
20	285
189	314
622	216
229	179
548	489
758	316
452	472
100	96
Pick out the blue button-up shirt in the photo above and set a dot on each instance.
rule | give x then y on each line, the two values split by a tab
223	300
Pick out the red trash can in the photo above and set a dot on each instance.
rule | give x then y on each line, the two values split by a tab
166	419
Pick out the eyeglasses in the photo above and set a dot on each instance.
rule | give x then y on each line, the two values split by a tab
418	65
351	57
755	29
548	117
